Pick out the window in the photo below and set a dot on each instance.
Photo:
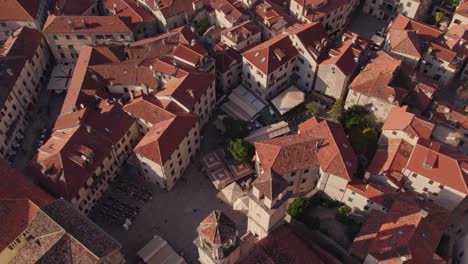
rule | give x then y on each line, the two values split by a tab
67	36
303	180
350	199
306	171
441	186
431	182
394	133
425	189
408	4
435	194
414	175
366	207
59	47
70	47
54	37
80	37
293	174
353	193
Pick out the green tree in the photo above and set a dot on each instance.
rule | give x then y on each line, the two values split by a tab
313	108
438	17
452	3
239	150
235	128
344	210
298	208
337	111
203	26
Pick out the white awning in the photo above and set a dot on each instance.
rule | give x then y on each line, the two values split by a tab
287	100
271	131
158	251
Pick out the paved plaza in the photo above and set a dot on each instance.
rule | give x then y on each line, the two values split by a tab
173	215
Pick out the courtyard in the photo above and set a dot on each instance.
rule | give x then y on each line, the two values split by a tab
173	215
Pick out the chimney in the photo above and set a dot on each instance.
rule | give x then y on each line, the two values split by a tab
190	92
88	129
354	39
193	42
423	213
83	22
70	24
114	8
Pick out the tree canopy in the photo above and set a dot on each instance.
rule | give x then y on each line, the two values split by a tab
239	150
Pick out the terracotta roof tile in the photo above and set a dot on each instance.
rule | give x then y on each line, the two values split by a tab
390	160
376	78
129	12
411	230
263	55
284	246
440	164
288	153
400	119
164	137
149	109
217	228
273	16
94	24
14	185
335	154
424	31
241	31
270	184
22	10
406	42
72	7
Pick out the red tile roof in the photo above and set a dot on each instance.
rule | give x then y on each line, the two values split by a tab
330	6
442	53
265	55
94	24
242	31
335	154
131	13
288	153
376	77
273	16
170	8
284	246
165	43
400	119
148	108
227	59
72	7
390	160
270	184
22	10
344	56
462	9
16	215
188	90
406	42
165	137
449	115
424	31
440	164
409	232
313	36
89	133
232	10
59	165
15	53
377	193
14	185
217	228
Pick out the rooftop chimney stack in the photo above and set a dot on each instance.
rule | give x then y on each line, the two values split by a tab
83	22
70	24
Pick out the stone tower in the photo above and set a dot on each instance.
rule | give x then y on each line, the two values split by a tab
217	241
